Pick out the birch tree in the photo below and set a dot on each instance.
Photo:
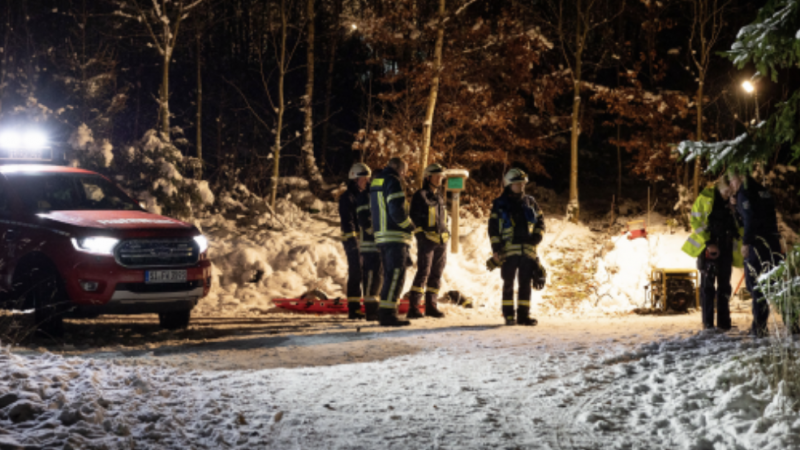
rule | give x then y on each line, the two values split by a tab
575	22
162	21
316	182
707	23
427	126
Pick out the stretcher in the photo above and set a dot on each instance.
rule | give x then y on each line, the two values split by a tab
331	306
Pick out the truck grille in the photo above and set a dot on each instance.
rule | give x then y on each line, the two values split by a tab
140	253
143	288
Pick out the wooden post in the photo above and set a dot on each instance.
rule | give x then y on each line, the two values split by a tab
454	215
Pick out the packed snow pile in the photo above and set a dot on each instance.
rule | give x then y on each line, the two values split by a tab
254	264
625	270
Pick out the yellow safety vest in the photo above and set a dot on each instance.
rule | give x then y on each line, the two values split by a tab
696	243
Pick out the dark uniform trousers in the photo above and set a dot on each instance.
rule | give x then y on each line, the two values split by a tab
395	259
354	271
372	275
719	271
519	267
431	260
764	254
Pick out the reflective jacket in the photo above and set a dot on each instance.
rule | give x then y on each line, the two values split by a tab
347	213
389	209
516	224
367	237
757	208
429	213
711	220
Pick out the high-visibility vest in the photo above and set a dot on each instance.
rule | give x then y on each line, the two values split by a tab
696	243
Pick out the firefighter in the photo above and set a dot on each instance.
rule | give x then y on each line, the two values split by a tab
761	245
372	270
516	227
716	244
393	232
359	178
429	212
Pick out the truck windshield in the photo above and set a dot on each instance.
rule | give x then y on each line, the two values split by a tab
41	192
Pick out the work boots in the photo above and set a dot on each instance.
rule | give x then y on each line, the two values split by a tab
413	306
523	318
508	315
371	310
388	318
354	311
430	307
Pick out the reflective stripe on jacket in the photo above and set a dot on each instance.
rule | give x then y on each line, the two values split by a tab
429	212
701	228
367	233
515	221
389	209
347	212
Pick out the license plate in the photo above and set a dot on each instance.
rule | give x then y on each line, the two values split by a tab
165	276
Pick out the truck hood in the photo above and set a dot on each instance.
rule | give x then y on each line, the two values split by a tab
116	220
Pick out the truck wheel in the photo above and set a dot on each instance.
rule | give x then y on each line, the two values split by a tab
46	294
178	320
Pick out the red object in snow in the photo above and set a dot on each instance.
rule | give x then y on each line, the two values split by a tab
333	306
637	234
637	229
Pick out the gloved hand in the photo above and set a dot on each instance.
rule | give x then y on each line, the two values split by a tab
539	276
409	261
537	239
712	251
351	245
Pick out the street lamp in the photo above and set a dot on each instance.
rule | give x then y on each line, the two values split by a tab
751	89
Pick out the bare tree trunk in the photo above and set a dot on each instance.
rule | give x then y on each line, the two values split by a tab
699	137
329	83
164	100
199	145
281	109
4	64
573	208
437	68
619	169
315	180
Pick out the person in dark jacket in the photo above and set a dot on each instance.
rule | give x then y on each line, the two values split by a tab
359	178
761	245
393	234
372	270
716	262
429	212
516	227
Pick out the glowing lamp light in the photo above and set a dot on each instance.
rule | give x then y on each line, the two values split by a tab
96	245
27	140
748	87
354	27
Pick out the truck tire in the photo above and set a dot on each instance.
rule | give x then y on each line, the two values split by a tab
178	320
44	291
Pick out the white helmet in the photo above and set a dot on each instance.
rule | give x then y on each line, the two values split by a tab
359	170
432	170
515	176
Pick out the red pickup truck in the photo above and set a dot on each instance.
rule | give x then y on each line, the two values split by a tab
74	244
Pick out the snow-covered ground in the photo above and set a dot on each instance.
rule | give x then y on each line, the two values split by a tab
603	383
589	376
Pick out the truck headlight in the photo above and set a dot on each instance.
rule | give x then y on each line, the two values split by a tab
202	243
95	245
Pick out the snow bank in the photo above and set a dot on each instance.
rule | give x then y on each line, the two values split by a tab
309	255
625	270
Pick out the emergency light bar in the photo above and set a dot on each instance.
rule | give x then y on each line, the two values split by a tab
28	145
